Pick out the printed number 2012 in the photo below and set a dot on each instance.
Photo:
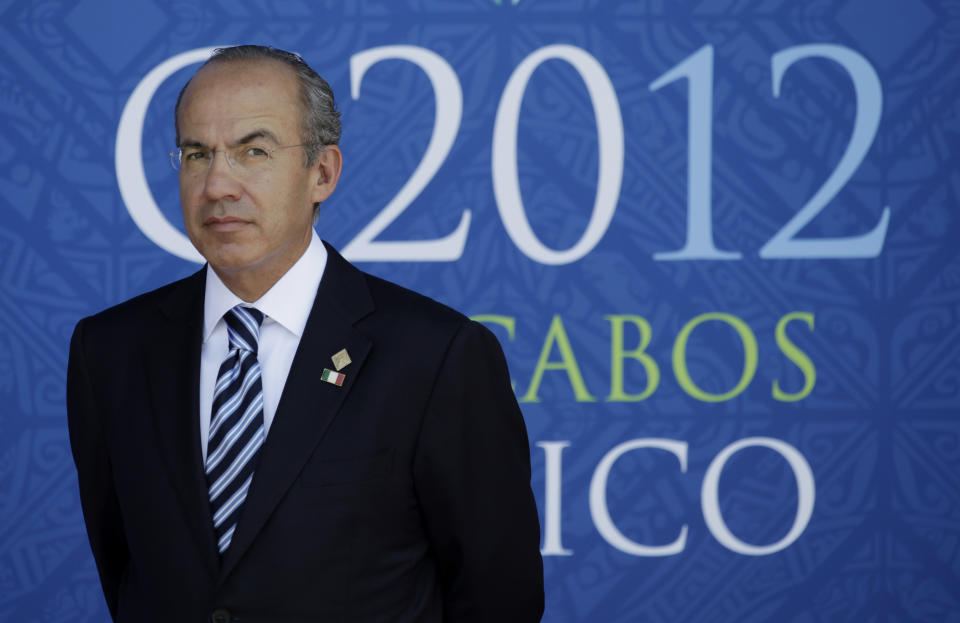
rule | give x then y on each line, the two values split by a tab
697	69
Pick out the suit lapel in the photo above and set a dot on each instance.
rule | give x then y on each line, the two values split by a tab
173	372
307	405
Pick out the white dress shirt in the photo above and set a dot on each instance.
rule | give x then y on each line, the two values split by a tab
286	307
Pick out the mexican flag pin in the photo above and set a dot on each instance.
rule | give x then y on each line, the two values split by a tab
334	378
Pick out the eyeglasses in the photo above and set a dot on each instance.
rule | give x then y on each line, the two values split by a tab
244	159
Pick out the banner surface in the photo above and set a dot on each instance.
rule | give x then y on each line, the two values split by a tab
717	240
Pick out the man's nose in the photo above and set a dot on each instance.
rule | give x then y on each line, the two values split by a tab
221	180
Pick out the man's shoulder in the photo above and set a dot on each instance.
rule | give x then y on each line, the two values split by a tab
417	328
172	298
409	304
416	320
391	304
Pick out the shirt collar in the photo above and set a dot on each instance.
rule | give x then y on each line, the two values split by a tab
288	302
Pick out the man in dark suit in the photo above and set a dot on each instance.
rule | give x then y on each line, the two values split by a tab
281	437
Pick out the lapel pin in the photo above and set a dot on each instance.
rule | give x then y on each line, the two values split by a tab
334	378
341	359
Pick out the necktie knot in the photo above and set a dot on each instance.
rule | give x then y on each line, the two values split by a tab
243	327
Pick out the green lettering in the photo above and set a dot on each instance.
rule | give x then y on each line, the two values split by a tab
797	356
618	354
680	357
557	335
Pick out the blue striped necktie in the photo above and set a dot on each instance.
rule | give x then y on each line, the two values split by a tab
236	423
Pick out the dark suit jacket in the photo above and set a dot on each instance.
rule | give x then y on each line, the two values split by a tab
403	495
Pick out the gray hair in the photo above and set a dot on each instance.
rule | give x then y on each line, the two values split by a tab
320	125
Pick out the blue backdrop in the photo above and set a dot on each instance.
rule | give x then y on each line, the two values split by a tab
717	239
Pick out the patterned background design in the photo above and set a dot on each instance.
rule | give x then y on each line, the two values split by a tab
880	430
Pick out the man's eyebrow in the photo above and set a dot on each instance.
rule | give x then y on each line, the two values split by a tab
258	133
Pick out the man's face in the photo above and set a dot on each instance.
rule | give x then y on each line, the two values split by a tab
251	223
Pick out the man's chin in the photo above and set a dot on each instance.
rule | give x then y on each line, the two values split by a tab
231	260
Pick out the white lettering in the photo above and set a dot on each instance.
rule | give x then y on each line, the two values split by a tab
710	494
506	181
598	498
446	123
129	160
553	451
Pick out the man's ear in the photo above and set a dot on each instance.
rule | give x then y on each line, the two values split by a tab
327	169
